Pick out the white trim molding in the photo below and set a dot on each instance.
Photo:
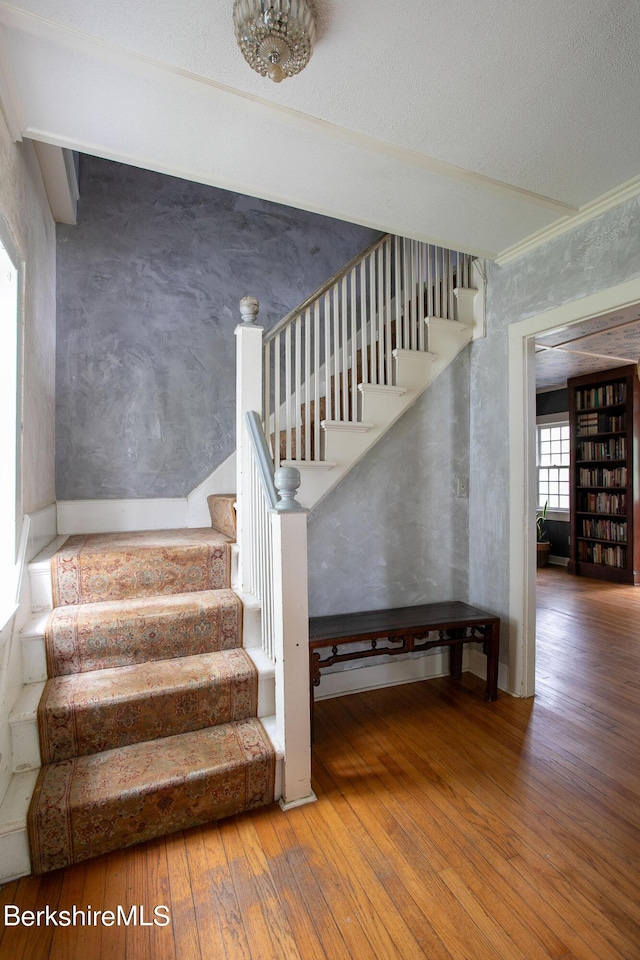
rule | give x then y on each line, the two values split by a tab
626	191
110	516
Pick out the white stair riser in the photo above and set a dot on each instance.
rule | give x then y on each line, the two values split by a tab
14	846
25	739
40	576
14	855
41	595
25	745
34	660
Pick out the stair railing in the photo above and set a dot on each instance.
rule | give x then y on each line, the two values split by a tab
272	562
348	332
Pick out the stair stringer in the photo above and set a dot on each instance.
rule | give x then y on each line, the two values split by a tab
346	444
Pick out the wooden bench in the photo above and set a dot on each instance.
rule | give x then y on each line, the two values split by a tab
405	630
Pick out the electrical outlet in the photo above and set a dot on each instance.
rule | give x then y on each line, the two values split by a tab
462	488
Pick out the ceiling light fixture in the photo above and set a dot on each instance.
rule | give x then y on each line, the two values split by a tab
276	37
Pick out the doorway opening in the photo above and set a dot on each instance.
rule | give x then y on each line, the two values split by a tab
523	478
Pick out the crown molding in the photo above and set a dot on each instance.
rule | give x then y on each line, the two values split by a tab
623	193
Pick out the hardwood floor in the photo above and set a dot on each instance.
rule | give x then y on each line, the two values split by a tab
445	827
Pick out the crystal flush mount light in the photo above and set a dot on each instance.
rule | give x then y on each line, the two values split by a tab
276	36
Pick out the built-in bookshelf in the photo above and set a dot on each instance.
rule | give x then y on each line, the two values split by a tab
604	413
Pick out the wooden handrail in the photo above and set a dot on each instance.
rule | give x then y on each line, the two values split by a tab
281	324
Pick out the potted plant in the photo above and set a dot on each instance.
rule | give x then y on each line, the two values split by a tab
543	545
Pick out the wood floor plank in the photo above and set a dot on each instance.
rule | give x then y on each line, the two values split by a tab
222	895
462	799
161	942
88	939
207	917
307	887
269	894
183	913
395	836
112	944
307	934
267	930
446	827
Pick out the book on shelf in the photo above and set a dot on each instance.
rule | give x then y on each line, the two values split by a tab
607	395
602	476
588	424
605	530
610	503
599	553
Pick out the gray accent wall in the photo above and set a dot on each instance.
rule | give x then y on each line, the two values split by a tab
393	532
148	288
599	254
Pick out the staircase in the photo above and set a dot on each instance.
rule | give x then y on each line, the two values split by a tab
157	697
148	722
348	362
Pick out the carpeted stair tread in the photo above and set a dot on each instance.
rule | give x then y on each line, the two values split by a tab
103	709
116	633
90	805
222	511
114	566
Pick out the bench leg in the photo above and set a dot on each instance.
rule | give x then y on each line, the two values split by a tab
491	647
455	660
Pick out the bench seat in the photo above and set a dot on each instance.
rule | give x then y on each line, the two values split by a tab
405	630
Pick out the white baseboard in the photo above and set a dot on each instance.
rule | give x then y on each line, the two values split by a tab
42	530
112	516
558	561
387	674
394	672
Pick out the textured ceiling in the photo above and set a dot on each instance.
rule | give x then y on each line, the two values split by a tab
596	344
476	125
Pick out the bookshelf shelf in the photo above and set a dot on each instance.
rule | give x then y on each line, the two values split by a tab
604	414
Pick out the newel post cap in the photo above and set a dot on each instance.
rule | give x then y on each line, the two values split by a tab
249	309
287	480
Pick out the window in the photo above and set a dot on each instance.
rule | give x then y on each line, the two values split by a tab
553	466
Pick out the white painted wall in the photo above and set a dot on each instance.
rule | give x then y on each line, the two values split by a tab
26	217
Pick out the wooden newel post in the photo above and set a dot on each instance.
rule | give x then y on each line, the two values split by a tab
291	606
248	397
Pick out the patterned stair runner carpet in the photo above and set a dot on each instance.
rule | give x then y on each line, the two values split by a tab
114	566
223	513
92	636
89	712
90	805
148	721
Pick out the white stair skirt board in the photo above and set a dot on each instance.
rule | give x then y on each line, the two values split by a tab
34	658
23	722
40	577
14	846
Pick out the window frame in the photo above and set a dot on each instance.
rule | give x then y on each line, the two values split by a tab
553	420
